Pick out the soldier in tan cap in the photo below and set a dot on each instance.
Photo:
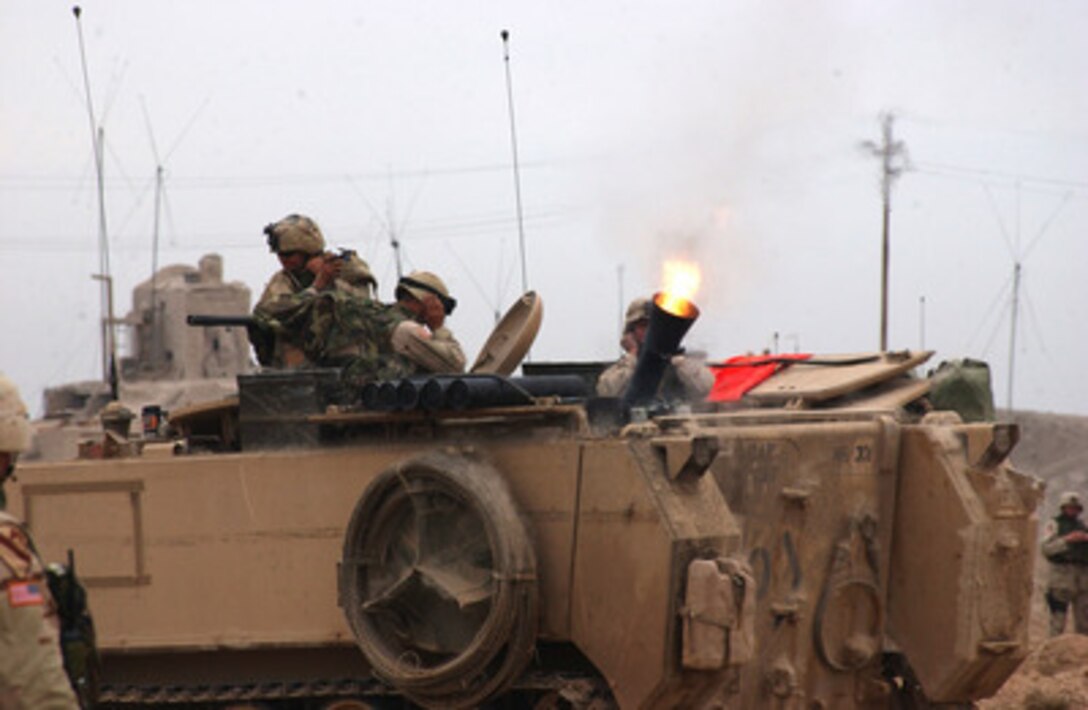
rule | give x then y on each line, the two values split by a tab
422	337
1065	546
686	379
32	673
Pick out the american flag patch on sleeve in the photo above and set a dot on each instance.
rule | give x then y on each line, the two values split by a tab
25	594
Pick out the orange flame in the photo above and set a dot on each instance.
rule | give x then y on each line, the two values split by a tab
681	282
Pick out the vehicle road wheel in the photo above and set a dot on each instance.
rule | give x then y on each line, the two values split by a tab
438	581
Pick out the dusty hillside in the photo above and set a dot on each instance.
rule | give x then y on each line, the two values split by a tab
1053	447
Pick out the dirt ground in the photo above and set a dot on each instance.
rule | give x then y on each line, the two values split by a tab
1053	447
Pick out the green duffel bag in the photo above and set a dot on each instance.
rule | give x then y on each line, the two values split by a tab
963	386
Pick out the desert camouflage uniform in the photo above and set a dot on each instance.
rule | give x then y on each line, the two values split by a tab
686	379
1067	581
432	352
32	673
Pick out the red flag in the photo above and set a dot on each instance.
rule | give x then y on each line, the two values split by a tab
737	375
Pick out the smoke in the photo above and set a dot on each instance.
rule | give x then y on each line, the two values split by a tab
717	150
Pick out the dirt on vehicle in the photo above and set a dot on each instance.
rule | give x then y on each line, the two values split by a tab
453	541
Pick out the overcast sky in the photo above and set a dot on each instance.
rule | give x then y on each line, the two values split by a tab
729	132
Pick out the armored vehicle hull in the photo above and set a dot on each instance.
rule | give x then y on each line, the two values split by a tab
832	555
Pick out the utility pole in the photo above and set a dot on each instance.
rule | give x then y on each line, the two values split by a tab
888	151
1012	330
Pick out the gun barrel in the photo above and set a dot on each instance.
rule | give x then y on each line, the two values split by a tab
208	321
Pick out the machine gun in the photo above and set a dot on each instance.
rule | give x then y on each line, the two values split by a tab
210	321
261	336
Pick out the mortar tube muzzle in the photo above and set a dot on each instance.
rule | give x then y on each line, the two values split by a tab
662	342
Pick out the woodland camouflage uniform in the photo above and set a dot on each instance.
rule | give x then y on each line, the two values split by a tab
356	334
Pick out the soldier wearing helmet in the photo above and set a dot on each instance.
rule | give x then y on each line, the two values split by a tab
286	325
422	336
355	278
31	667
280	313
1065	545
686	379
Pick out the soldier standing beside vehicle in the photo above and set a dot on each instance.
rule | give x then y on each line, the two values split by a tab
1065	545
686	379
32	675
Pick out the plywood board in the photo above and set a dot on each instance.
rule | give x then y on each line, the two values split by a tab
825	377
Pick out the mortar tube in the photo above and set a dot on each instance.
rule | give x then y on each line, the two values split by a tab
662	341
387	396
409	392
432	395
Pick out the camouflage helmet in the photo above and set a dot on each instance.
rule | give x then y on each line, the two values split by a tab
420	283
356	271
1070	498
295	233
14	422
116	417
638	310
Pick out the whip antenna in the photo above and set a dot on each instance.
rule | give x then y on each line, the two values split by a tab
109	345
505	35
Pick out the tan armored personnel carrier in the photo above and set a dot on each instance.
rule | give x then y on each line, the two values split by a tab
460	541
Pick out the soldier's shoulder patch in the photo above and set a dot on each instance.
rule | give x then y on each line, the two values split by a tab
25	593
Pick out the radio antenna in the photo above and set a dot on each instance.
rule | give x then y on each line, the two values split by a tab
109	343
505	35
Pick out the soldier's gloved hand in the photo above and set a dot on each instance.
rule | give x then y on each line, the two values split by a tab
325	270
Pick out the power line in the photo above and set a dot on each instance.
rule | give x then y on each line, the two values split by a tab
65	182
462	227
950	170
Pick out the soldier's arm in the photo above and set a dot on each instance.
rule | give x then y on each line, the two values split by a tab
282	298
1053	544
444	342
614	380
433	352
695	376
